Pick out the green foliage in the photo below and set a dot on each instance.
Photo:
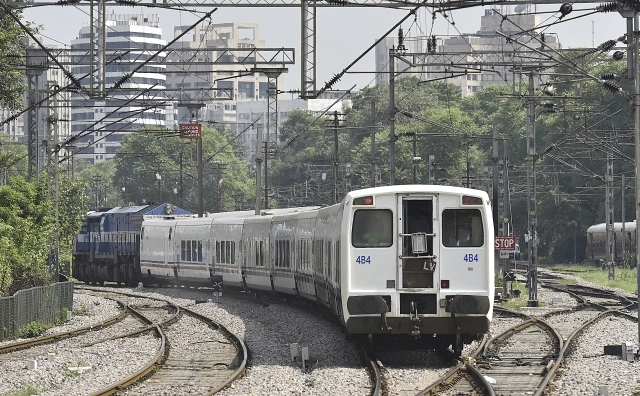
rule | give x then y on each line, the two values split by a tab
82	310
62	315
27	390
145	155
33	329
625	278
12	52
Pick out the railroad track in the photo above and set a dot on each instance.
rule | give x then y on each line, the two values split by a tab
204	367
524	359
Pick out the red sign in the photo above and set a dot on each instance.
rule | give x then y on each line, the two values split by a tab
190	131
505	242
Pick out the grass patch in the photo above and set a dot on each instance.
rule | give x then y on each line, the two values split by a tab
515	303
82	310
33	329
28	391
625	278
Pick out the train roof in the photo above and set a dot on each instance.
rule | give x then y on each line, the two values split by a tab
628	226
416	188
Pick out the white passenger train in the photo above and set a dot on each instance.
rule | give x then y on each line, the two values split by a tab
408	260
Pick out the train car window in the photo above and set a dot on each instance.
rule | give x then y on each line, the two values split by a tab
462	228
288	254
183	250
189	251
372	228
261	254
170	229
223	251
200	251
233	252
217	251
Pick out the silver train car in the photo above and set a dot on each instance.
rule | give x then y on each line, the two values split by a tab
597	242
408	260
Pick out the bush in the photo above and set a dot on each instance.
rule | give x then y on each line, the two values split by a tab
33	329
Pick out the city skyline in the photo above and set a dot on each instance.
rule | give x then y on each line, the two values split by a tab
334	52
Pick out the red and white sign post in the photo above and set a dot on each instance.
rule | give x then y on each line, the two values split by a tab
190	131
504	244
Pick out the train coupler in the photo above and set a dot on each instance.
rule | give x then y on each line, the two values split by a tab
415	320
383	322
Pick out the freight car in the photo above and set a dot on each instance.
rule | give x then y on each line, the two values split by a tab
597	242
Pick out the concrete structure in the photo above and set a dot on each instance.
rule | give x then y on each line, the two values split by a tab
485	45
103	122
203	74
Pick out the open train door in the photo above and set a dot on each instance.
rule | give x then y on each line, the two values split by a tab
418	252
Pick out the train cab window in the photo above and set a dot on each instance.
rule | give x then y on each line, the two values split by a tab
462	228
372	228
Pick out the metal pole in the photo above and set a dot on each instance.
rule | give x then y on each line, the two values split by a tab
334	199
373	143
392	117
636	119
200	180
495	200
258	167
415	164
531	199
623	219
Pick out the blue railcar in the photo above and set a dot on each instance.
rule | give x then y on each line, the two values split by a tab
108	247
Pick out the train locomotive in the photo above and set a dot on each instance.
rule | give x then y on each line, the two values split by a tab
107	249
408	260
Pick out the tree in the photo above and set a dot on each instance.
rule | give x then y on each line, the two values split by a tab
161	167
26	222
12	52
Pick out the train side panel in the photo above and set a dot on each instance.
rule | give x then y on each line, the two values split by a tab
283	231
157	251
192	251
304	258
227	251
257	268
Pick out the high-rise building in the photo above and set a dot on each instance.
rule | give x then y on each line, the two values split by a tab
102	122
212	41
442	55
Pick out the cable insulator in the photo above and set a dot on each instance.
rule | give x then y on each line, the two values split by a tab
611	86
607	7
608	76
607	45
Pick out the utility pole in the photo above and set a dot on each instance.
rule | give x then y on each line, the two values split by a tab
392	117
373	143
258	166
532	281
610	248
495	197
334	199
623	219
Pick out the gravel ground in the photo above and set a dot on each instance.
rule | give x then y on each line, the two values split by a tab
334	367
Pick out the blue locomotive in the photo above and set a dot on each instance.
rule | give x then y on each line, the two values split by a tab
108	246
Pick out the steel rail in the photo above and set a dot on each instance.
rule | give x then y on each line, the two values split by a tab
16	346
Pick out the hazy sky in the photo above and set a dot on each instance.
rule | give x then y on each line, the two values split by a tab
342	33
